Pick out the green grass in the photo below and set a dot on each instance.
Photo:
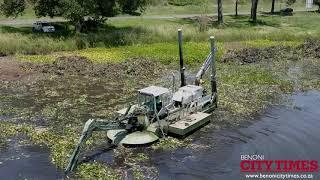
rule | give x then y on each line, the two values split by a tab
299	26
211	7
163	52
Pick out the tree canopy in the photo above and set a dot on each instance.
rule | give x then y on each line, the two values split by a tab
12	8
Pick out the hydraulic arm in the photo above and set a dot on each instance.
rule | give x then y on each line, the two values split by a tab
90	126
206	65
203	69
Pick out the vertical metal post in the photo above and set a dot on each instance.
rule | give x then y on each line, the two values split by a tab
183	81
213	69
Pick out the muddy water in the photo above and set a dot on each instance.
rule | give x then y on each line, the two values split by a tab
20	160
281	133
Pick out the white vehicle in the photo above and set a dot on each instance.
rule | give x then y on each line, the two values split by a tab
43	26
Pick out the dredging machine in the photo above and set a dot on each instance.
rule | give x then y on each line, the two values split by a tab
159	111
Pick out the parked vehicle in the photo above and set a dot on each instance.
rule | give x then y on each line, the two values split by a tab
43	26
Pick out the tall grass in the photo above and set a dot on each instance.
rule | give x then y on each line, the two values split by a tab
17	43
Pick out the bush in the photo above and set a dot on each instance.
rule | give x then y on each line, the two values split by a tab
12	7
81	44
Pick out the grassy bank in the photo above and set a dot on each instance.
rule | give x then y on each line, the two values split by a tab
124	32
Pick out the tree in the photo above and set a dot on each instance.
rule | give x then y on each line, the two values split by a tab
317	2
80	12
220	15
272	6
237	2
12	7
254	7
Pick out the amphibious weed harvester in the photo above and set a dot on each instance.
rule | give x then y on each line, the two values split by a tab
159	111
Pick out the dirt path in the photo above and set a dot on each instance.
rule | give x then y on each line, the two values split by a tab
13	22
9	22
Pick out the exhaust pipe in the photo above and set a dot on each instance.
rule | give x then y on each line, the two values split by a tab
182	69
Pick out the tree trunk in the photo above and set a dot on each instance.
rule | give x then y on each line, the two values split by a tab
254	7
220	15
78	26
251	15
237	7
272	7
